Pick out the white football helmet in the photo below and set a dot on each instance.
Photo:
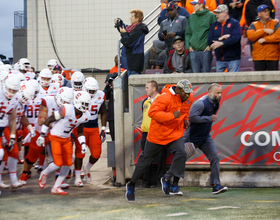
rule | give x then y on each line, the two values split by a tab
45	77
58	78
11	85
27	92
91	86
81	101
3	75
64	96
16	66
77	80
36	86
24	65
51	64
1	63
5	67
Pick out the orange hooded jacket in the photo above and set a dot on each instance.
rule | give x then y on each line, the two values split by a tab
164	127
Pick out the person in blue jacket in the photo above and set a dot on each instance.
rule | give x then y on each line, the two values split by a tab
132	38
180	11
224	37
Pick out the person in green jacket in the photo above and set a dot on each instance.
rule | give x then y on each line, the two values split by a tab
196	35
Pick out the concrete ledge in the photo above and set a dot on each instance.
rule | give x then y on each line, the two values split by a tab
241	178
237	77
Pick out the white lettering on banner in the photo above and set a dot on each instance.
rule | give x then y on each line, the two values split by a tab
275	138
274	156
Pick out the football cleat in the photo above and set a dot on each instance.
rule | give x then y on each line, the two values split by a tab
16	184
23	179
87	174
58	191
79	183
3	185
42	180
64	185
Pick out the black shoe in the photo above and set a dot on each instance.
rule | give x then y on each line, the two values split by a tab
130	196
165	185
39	170
219	189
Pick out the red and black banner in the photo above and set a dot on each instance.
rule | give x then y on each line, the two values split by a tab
248	125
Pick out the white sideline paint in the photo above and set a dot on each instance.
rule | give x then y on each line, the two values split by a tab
177	214
223	207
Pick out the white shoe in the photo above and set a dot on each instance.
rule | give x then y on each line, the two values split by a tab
58	191
64	185
79	183
42	180
87	174
3	185
16	184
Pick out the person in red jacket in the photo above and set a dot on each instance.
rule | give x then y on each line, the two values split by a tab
169	115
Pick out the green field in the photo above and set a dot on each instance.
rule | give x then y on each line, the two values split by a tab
105	204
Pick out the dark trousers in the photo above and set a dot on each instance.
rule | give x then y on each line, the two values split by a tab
177	167
210	151
266	65
158	167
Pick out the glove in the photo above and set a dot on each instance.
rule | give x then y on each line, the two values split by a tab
32	132
103	135
40	141
84	149
11	144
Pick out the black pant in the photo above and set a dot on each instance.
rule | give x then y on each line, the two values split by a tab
266	65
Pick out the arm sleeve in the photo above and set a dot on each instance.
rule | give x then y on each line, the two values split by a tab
253	34
211	34
129	38
235	35
157	110
195	113
161	16
160	32
188	34
275	37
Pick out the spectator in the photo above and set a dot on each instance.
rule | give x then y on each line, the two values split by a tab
196	37
174	25
178	60
224	37
115	68
211	5
56	69
202	115
132	37
169	114
150	176
251	10
235	8
180	11
265	35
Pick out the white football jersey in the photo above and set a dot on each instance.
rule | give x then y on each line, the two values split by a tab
52	90
65	125
96	103
7	107
50	103
32	110
29	75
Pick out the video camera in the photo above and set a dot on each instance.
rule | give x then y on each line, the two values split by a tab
118	23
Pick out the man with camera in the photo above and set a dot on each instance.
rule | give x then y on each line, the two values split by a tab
132	38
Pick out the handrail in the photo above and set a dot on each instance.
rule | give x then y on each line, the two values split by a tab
153	34
153	19
145	18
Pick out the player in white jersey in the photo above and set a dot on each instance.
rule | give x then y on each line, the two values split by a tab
51	63
9	100
48	106
91	130
46	88
25	67
68	117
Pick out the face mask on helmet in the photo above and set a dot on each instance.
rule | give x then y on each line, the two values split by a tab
82	101
91	86
11	86
45	77
77	80
24	65
34	83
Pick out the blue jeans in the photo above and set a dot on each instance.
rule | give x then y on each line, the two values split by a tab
131	72
232	66
201	60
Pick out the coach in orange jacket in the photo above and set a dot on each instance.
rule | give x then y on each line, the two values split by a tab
169	114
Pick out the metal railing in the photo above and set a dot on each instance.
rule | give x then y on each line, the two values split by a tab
20	19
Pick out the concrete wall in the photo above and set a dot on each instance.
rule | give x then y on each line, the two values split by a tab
83	30
19	43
